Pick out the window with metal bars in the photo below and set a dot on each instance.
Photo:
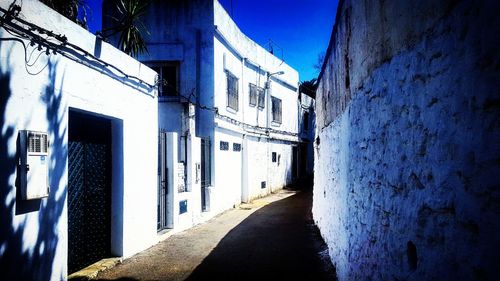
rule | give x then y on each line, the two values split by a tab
232	91
252	99
276	110
256	96
262	99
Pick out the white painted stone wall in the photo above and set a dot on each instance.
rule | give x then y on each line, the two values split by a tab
406	155
33	244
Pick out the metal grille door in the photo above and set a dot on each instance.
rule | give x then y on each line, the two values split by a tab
162	221
89	194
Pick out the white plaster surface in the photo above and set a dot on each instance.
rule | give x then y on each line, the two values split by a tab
406	147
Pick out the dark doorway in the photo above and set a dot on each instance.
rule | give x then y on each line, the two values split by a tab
162	221
206	173
295	161
303	160
89	190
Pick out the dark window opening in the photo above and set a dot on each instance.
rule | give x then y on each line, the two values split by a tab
276	110
168	78
274	157
306	121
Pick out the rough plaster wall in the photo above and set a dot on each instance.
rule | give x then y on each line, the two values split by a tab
407	141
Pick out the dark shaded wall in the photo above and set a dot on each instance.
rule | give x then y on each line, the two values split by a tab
406	152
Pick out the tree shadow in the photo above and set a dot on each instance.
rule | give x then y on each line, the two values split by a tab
32	233
277	242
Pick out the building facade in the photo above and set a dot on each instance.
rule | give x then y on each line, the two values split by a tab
229	106
78	147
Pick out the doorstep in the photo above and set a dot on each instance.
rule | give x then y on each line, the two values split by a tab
90	272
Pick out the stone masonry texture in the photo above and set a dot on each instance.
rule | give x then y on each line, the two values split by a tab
407	145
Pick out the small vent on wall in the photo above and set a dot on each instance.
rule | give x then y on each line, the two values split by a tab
37	143
236	147
224	145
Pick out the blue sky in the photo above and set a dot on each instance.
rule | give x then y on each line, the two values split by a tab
300	29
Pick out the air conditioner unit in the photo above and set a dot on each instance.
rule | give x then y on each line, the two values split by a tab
33	164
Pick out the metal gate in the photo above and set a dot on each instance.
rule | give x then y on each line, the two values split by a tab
89	191
206	172
162	221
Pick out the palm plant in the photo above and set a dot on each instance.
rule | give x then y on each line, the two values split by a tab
68	8
128	24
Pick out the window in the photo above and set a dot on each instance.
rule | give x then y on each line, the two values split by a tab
253	95
206	163
273	157
224	145
276	109
256	95
306	121
232	91
262	99
236	146
168	77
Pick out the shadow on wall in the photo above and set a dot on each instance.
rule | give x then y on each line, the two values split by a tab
277	242
20	258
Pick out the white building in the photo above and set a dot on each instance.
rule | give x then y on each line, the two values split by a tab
228	113
94	111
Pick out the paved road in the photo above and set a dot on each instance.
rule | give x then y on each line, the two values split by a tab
273	238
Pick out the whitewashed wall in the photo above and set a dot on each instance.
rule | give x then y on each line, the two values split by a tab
406	159
34	242
250	63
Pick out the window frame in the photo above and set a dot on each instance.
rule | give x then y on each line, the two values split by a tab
252	89
276	116
261	102
159	66
232	99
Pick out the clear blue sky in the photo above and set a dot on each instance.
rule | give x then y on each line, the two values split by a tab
299	28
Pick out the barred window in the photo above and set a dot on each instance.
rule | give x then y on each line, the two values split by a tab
232	91
256	96
253	95
276	109
262	99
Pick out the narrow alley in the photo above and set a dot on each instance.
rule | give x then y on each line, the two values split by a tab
273	238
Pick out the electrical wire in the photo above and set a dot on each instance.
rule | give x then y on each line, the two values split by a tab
71	51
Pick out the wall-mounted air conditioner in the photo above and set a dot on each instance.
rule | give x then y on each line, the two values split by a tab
33	164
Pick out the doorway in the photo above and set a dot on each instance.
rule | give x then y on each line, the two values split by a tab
206	173
89	190
162	206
